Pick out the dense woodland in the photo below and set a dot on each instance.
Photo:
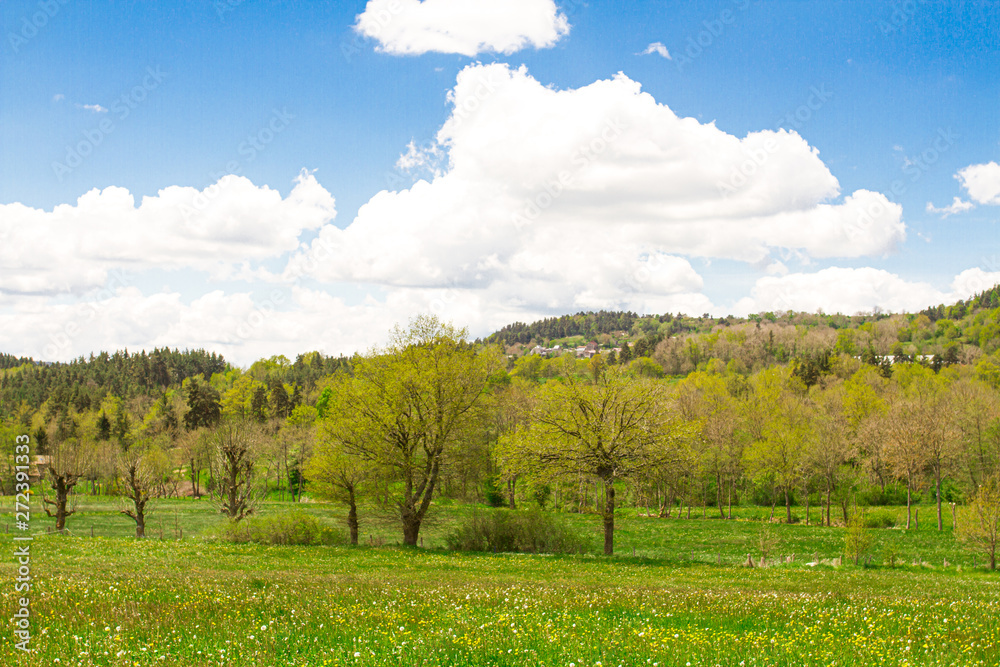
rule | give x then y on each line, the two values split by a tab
675	413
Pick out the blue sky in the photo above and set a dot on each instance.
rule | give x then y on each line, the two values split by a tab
898	98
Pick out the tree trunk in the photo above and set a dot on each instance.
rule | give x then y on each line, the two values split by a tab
807	506
718	488
63	485
788	507
194	481
731	483
140	522
511	488
937	482
829	493
909	505
352	516
411	528
609	517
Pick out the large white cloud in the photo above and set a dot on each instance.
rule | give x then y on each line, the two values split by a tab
72	248
556	197
982	181
467	27
849	291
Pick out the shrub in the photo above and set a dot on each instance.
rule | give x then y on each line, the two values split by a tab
526	531
290	527
857	541
492	493
880	518
892	494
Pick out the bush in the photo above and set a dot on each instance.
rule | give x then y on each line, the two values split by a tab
291	527
492	493
857	541
880	518
527	531
892	494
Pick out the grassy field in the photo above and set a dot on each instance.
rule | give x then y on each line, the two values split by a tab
112	600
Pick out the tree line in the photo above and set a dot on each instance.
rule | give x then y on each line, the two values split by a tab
433	414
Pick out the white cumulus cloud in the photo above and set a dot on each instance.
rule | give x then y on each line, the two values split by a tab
558	197
73	247
466	27
854	290
982	182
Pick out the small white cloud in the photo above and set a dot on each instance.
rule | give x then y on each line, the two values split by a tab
657	48
420	158
58	97
776	268
96	108
982	182
466	27
957	206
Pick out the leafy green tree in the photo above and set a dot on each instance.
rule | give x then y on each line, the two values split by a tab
858	539
409	407
981	530
335	473
204	409
614	429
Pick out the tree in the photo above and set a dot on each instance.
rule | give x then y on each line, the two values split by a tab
235	468
858	539
617	428
904	451
830	452
976	412
779	424
982	530
195	449
66	466
408	407
139	479
204	409
337	474
929	427
511	409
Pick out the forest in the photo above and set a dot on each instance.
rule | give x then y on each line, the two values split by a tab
781	410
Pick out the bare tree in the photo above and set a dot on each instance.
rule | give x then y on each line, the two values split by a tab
139	478
65	468
236	469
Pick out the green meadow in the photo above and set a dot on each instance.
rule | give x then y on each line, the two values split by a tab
686	597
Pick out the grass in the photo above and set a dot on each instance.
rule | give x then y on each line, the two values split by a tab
117	601
674	539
